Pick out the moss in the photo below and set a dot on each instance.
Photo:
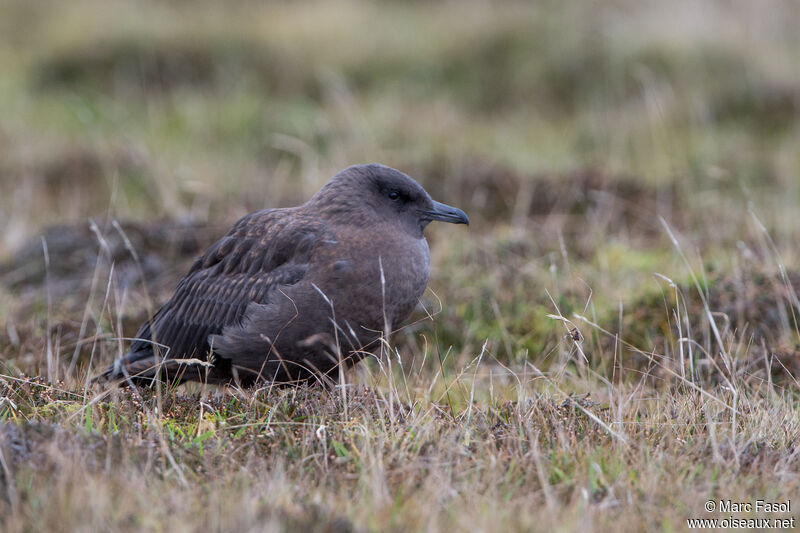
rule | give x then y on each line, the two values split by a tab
754	313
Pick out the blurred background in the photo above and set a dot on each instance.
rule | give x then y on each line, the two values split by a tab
612	342
134	133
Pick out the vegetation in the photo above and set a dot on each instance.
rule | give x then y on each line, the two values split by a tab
613	342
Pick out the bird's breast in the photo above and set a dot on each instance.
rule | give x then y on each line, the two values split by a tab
373	280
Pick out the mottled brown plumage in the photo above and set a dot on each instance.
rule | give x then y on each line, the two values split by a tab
289	293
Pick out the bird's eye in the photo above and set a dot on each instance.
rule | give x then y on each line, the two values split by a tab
394	195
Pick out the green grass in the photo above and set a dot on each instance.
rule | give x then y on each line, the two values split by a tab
581	369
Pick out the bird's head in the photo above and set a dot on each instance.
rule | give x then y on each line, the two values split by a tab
373	192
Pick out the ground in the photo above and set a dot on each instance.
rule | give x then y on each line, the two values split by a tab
611	344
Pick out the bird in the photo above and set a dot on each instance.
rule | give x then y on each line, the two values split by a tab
295	295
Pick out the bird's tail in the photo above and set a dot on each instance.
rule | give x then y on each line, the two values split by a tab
145	367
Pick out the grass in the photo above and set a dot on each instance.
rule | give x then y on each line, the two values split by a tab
612	343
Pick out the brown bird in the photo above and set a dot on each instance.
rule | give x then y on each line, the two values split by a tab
289	295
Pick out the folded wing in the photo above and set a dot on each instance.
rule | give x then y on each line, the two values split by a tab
263	251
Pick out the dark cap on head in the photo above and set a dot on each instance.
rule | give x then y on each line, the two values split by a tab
374	191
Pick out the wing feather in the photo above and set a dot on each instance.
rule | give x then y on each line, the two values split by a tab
262	251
